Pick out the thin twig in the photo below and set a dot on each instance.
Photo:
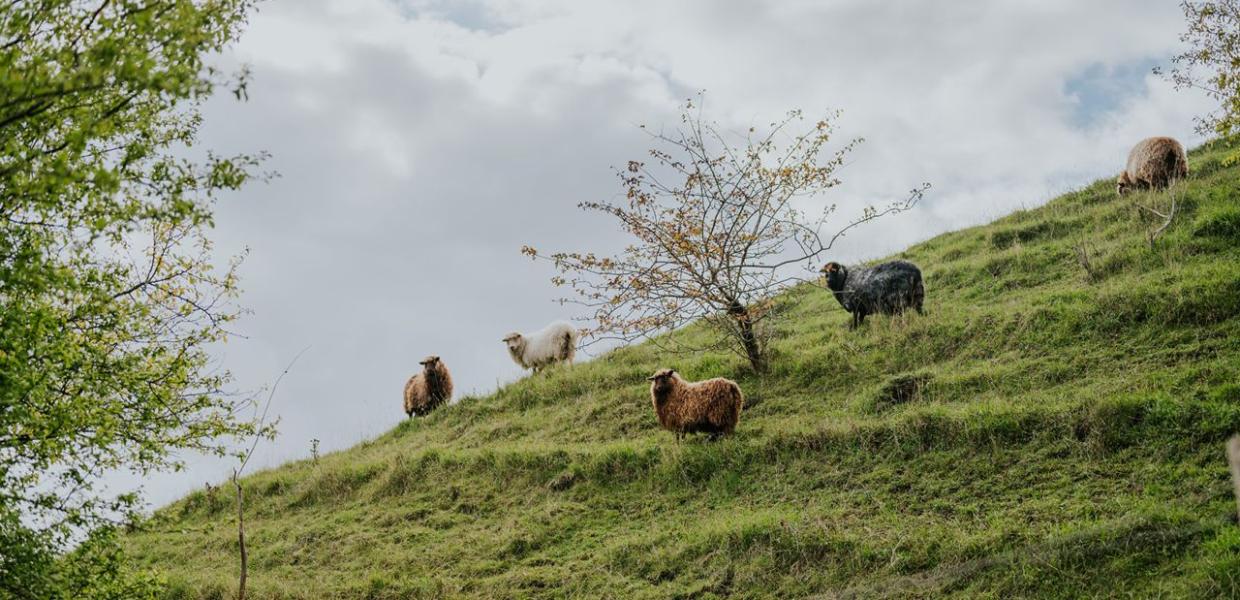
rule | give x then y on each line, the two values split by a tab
1170	215
236	476
266	408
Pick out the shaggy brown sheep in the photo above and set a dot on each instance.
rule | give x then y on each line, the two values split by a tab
425	391
1154	163
712	406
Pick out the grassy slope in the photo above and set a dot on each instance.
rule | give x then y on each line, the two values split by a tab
1064	439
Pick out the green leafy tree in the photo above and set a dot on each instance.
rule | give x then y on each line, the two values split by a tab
109	290
1212	63
33	568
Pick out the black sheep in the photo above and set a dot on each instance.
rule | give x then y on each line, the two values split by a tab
886	289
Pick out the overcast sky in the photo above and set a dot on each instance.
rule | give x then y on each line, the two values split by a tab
421	143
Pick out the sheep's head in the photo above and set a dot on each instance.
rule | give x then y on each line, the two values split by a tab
1123	184
430	362
662	379
515	342
836	275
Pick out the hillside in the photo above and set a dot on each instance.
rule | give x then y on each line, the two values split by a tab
1040	432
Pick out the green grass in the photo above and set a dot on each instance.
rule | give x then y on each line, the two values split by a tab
1041	432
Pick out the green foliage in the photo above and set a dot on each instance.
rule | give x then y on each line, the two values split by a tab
1211	65
30	567
108	292
1035	434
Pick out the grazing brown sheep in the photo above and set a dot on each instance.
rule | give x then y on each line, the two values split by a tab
427	390
712	406
1154	163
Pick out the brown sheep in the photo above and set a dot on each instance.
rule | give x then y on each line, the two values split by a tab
712	406
425	391
1154	163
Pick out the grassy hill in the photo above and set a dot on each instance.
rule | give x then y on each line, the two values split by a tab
1042	431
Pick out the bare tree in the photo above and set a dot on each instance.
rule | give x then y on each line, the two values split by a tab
243	461
717	232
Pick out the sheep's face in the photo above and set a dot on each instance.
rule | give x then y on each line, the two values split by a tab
662	379
836	274
1123	184
430	362
514	342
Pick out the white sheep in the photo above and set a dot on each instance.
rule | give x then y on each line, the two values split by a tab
554	343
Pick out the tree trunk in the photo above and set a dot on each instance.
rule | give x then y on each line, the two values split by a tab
749	340
241	539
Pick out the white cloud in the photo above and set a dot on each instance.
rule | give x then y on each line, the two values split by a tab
422	142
